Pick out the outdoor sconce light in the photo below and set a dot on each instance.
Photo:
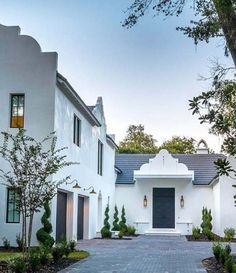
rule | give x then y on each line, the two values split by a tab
92	190
76	186
145	201
181	201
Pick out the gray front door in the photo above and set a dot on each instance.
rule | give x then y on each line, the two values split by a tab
163	208
61	215
80	220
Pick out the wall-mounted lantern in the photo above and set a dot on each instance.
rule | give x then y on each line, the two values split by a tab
181	201
76	186
92	191
145	201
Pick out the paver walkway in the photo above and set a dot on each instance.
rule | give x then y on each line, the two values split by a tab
144	254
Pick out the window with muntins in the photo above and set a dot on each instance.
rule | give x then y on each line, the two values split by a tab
77	130
17	110
13	213
100	157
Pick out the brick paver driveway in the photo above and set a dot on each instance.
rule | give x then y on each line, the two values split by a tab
144	254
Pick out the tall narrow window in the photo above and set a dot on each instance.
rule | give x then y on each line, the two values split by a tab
13	213
17	110
77	130
100	157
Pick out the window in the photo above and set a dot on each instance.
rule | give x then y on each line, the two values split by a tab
77	129
13	213
17	111
100	157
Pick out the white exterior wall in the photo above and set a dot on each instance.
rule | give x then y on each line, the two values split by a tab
25	69
195	197
86	171
225	200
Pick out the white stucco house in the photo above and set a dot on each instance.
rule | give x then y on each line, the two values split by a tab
161	193
36	97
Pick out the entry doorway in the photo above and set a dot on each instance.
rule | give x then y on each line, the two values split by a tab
163	208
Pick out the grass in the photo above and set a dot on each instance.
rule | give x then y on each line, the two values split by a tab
77	255
9	255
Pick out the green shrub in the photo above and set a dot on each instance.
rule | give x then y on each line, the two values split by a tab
217	248
122	223
116	225
105	231
65	247
34	259
18	265
228	249
6	243
131	230
229	264
44	254
225	254
72	245
196	232
210	235
43	234
19	242
206	224
121	234
57	253
229	234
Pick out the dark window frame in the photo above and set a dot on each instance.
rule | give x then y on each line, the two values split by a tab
15	209
11	107
77	131
100	158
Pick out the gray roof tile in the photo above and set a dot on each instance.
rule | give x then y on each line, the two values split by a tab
202	165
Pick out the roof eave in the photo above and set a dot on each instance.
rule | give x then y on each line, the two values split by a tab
111	142
69	91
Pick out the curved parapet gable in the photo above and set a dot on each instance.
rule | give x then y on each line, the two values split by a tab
21	44
163	165
25	69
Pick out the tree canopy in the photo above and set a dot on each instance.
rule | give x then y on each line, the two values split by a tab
212	18
179	145
137	141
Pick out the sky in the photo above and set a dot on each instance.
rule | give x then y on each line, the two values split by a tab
146	74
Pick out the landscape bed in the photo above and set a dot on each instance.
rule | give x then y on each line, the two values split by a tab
50	267
212	266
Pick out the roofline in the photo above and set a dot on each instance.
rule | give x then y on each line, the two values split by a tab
118	170
111	140
65	86
214	179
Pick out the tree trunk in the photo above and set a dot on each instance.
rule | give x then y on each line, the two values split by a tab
30	230
228	23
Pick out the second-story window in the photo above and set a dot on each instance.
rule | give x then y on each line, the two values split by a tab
17	110
100	157
77	130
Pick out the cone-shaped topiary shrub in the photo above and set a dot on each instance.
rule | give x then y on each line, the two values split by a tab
206	221
116	225
43	234
122	223
105	231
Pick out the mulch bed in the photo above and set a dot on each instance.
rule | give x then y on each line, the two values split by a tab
212	266
62	264
50	267
203	238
